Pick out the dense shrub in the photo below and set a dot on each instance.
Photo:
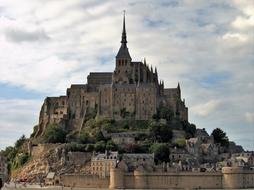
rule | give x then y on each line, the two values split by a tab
161	152
76	147
160	133
54	134
100	146
220	137
20	160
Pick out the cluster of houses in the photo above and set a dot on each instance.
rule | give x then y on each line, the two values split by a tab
199	154
102	162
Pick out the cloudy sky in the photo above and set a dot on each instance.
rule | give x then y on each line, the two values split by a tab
206	45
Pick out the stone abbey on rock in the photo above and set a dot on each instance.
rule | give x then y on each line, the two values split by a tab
132	90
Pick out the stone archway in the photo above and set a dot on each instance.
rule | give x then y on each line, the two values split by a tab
57	182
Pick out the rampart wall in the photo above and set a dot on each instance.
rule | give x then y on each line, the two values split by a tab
229	178
88	181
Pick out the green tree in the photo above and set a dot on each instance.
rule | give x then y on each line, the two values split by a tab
35	128
163	112
54	134
84	137
161	133
190	129
9	153
100	146
220	137
99	136
20	142
111	145
161	152
89	147
75	147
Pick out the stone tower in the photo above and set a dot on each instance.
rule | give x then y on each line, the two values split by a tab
123	72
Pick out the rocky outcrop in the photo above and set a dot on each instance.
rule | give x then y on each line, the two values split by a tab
55	159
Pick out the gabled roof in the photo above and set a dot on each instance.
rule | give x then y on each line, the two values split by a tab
50	175
123	52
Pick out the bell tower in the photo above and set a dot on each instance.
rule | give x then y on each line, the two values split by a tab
123	70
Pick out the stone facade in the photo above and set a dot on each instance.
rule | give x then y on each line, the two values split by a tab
133	161
132	90
101	163
123	138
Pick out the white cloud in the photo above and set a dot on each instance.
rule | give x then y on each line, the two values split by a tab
235	37
47	45
249	117
205	109
243	23
17	117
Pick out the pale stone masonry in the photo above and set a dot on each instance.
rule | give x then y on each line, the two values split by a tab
102	162
132	90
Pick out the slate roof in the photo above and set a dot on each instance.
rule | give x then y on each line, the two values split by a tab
50	175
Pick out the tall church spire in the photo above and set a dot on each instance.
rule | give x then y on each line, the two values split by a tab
123	52
124	37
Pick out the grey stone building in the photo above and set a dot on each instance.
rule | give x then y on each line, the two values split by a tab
132	90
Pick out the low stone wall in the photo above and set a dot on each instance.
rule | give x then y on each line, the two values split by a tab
87	181
79	158
189	180
229	178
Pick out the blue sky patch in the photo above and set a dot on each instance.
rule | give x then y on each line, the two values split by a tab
14	92
214	79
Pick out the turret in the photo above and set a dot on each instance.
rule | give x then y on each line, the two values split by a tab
151	74
139	70
179	90
145	72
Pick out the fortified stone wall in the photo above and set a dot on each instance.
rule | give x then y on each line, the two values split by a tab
53	110
146	101
94	80
237	177
173	100
81	101
142	180
79	158
84	181
229	178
